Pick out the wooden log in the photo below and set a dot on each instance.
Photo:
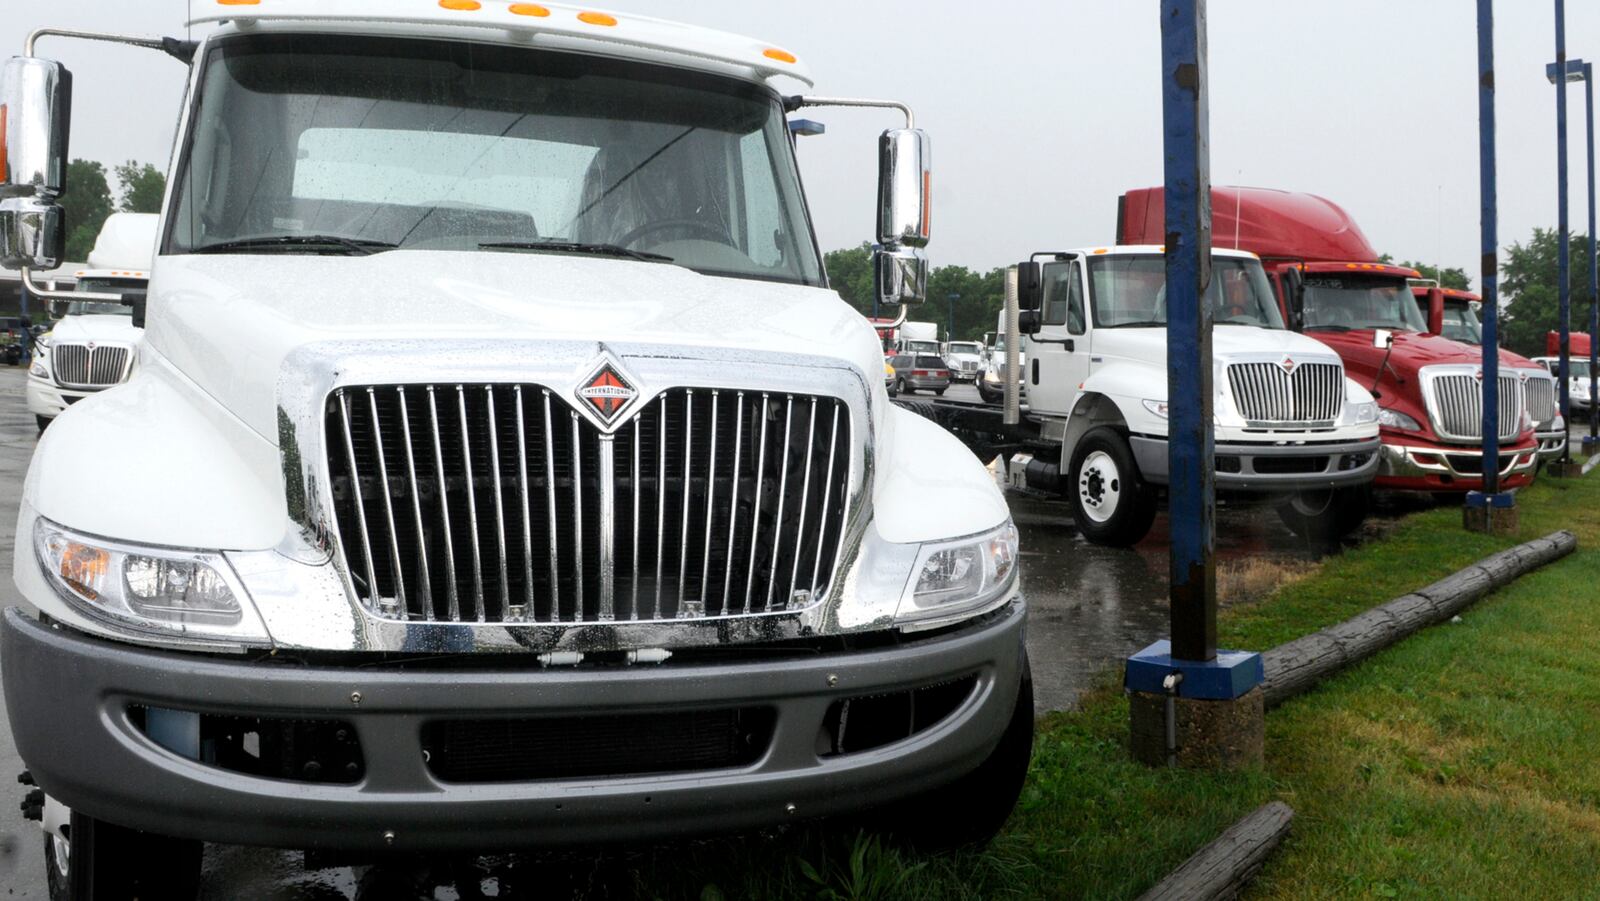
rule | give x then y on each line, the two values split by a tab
1298	665
1223	867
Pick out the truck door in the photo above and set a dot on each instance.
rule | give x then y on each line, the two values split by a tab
1058	356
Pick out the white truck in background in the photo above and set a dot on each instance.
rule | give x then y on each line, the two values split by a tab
95	343
499	470
919	338
965	359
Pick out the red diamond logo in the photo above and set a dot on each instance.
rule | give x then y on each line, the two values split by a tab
607	392
1288	365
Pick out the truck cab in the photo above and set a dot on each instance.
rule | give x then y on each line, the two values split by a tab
1330	285
94	345
1453	314
965	359
499	469
1289	424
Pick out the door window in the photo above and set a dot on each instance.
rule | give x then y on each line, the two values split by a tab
1063	296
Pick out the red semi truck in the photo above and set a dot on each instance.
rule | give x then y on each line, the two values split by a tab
1331	286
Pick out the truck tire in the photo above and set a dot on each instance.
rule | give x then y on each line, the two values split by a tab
43	421
1326	515
103	861
971	810
988	395
1110	501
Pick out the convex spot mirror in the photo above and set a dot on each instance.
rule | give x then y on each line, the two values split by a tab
905	187
32	233
900	276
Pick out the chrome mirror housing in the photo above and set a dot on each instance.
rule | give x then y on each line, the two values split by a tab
32	233
905	184
900	276
35	114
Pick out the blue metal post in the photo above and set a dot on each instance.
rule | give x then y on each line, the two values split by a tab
1563	258
1594	272
1187	167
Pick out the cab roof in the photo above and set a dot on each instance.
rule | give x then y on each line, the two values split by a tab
1130	249
653	38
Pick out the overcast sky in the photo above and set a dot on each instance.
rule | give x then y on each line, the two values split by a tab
1042	113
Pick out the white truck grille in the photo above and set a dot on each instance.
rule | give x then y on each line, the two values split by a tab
1306	394
1455	401
80	366
501	504
1540	397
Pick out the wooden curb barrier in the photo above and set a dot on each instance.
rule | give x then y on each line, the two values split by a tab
1297	666
1223	867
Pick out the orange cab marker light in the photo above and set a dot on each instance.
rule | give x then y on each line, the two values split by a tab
597	19
238	2
529	9
782	56
461	5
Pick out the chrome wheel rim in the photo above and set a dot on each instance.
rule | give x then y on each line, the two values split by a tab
1099	486
61	856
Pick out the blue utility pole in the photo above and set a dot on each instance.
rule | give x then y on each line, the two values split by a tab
1563	257
1589	443
1187	167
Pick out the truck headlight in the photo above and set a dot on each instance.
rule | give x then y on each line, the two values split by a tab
38	369
192	593
1363	413
961	578
1158	407
1394	419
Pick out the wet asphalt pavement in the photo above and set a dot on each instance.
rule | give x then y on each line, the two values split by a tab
1090	607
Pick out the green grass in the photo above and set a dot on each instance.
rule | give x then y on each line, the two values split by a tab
1461	763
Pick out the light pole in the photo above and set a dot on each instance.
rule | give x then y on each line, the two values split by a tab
1590	442
950	334
1560	73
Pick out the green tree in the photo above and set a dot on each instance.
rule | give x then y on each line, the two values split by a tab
1454	277
142	187
976	296
1530	290
86	204
850	273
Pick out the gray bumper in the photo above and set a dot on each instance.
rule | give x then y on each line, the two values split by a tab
68	695
1551	443
1260	468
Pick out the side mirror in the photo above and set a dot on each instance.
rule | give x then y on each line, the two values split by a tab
35	113
1030	287
1294	299
1435	311
1029	322
32	234
137	302
58	309
905	187
900	276
1382	338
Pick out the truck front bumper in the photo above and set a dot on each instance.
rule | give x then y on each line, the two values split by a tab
1552	442
1269	468
1425	468
69	698
47	399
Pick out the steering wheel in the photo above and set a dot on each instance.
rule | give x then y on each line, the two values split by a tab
702	228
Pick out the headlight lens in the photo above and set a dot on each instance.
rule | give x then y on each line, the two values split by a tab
1394	419
1365	412
1158	407
960	578
192	593
38	369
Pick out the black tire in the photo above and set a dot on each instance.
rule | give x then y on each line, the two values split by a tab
43	421
1326	515
111	863
939	391
971	810
1110	501
988	395
894	389
902	388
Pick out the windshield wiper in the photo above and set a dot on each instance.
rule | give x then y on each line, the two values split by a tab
604	250
1329	328
323	243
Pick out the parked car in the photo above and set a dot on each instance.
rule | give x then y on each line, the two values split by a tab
920	372
15	334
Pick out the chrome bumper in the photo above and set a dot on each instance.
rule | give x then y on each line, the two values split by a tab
1401	462
1270	468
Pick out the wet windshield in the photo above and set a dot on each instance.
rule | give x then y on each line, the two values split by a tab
1131	290
1345	302
1461	324
126	286
930	347
344	145
964	347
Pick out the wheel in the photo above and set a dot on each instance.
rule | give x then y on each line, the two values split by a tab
43	421
987	394
894	389
939	391
971	810
1326	515
103	861
1110	501
902	388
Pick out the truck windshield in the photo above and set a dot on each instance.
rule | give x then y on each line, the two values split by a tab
123	286
354	145
922	347
1345	302
963	347
1461	324
1130	290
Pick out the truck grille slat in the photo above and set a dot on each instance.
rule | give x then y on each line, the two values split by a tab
80	366
1455	401
1305	394
747	499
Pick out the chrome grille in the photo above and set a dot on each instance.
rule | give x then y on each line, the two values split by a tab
1539	396
1311	394
1456	404
79	366
500	503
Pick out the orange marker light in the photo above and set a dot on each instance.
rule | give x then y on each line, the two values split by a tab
237	2
782	56
461	5
597	19
84	568
529	9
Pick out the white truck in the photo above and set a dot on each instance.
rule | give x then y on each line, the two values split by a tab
94	345
919	338
965	359
1289	424
499	470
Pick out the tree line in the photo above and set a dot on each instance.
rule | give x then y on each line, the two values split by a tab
1529	294
87	202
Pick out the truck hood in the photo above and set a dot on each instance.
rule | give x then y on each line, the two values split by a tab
1226	341
97	328
229	321
1411	352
